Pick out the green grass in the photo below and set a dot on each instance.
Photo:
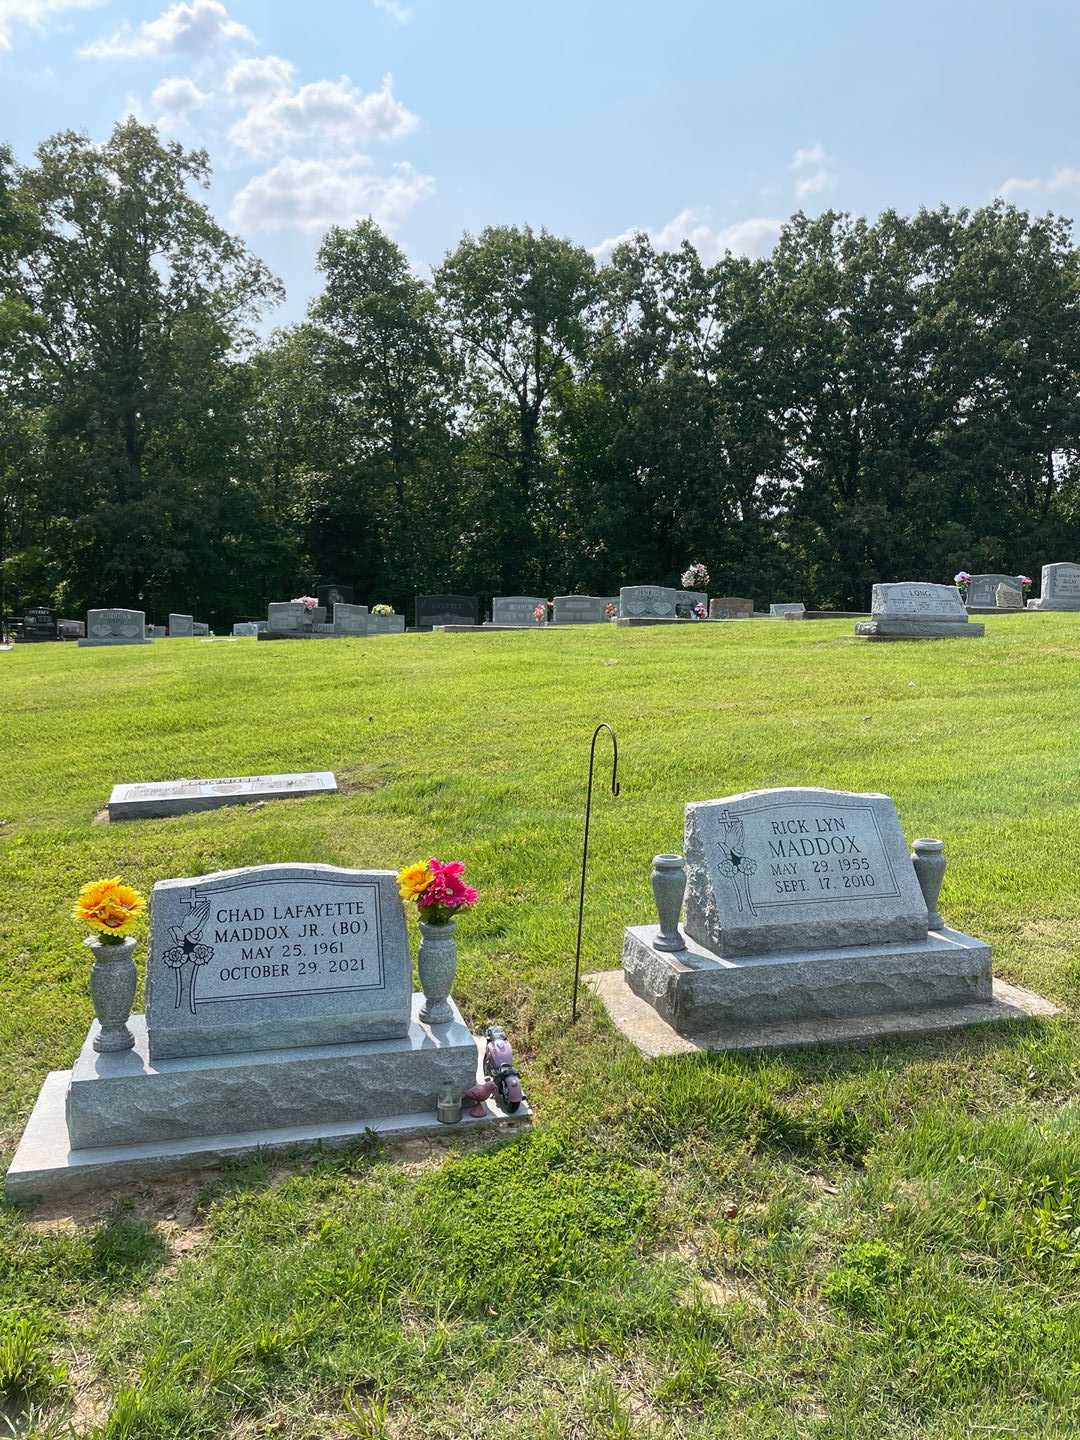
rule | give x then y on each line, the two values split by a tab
867	1243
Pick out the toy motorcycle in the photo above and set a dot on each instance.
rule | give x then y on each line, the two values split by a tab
499	1068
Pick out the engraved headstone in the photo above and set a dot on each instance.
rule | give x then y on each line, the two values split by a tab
39	623
71	629
445	610
730	607
115	627
276	956
1060	589
181	626
516	609
386	624
909	610
153	798
982	590
582	609
798	609
652	602
350	619
331	594
200	627
285	615
1008	597
246	628
687	600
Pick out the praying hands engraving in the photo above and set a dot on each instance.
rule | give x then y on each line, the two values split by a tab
187	948
734	862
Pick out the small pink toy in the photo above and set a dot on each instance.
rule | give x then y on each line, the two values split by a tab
475	1096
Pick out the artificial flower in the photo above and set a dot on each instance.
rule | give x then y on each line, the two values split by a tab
109	906
413	880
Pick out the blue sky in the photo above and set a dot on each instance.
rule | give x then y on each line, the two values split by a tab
593	117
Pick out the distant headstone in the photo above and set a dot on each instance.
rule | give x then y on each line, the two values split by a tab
157	632
1060	589
516	609
797	609
386	624
687	600
652	602
157	798
181	627
276	956
200	627
115	627
908	610
446	610
582	609
730	607
1008	597
246	628
39	623
286	615
71	629
332	594
350	619
982	590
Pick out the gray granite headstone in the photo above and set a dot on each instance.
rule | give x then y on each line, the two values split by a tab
115	627
434	610
181	626
276	956
71	629
200	627
783	610
350	619
686	600
982	590
647	601
796	869
246	628
516	609
582	609
910	610
155	798
285	615
1008	597
386	624
1060	589
157	632
730	607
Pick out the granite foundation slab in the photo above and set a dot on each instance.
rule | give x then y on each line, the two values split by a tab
126	1098
903	628
302	635
139	640
46	1163
634	620
695	990
653	1037
159	798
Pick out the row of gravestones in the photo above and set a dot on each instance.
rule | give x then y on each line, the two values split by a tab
634	603
280	1009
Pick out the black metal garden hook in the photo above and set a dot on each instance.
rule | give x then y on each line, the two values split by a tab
585	846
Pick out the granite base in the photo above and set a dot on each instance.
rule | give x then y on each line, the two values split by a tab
115	642
628	621
653	1037
887	628
1066	605
693	989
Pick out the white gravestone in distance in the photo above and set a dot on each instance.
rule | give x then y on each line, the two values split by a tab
386	624
155	798
516	609
1060	588
1008	597
909	610
730	607
647	602
350	619
802	906
115	627
181	625
785	611
200	627
982	591
276	956
246	628
582	609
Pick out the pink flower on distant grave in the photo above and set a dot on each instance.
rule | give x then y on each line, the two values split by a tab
962	578
1026	580
309	602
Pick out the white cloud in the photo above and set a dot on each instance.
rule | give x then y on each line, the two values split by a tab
394	8
814	173
255	79
178	97
1065	177
753	238
314	194
331	113
190	29
34	15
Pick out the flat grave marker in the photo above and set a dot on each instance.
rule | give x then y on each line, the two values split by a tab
157	798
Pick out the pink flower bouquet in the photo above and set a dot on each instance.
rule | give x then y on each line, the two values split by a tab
309	602
438	888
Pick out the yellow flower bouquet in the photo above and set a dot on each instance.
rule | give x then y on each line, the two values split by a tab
110	907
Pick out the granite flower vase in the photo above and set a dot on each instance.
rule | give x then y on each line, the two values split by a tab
668	887
437	963
112	989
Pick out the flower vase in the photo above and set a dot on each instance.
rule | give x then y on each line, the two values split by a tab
928	858
112	989
437	963
668	887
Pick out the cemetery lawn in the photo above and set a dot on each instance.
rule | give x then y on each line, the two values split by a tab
882	1242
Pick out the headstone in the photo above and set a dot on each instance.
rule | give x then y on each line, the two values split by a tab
908	610
687	600
802	905
177	797
200	627
516	609
246	628
647	602
350	619
71	629
1008	597
115	627
730	607
434	610
39	623
181	627
982	590
157	632
582	609
1060	589
386	624
798	610
332	594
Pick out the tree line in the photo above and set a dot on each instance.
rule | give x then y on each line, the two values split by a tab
883	400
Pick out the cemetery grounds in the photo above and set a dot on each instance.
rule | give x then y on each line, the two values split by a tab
857	1243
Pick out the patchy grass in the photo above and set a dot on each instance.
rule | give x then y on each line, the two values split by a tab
851	1243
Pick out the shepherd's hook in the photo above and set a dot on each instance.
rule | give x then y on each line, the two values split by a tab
585	846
